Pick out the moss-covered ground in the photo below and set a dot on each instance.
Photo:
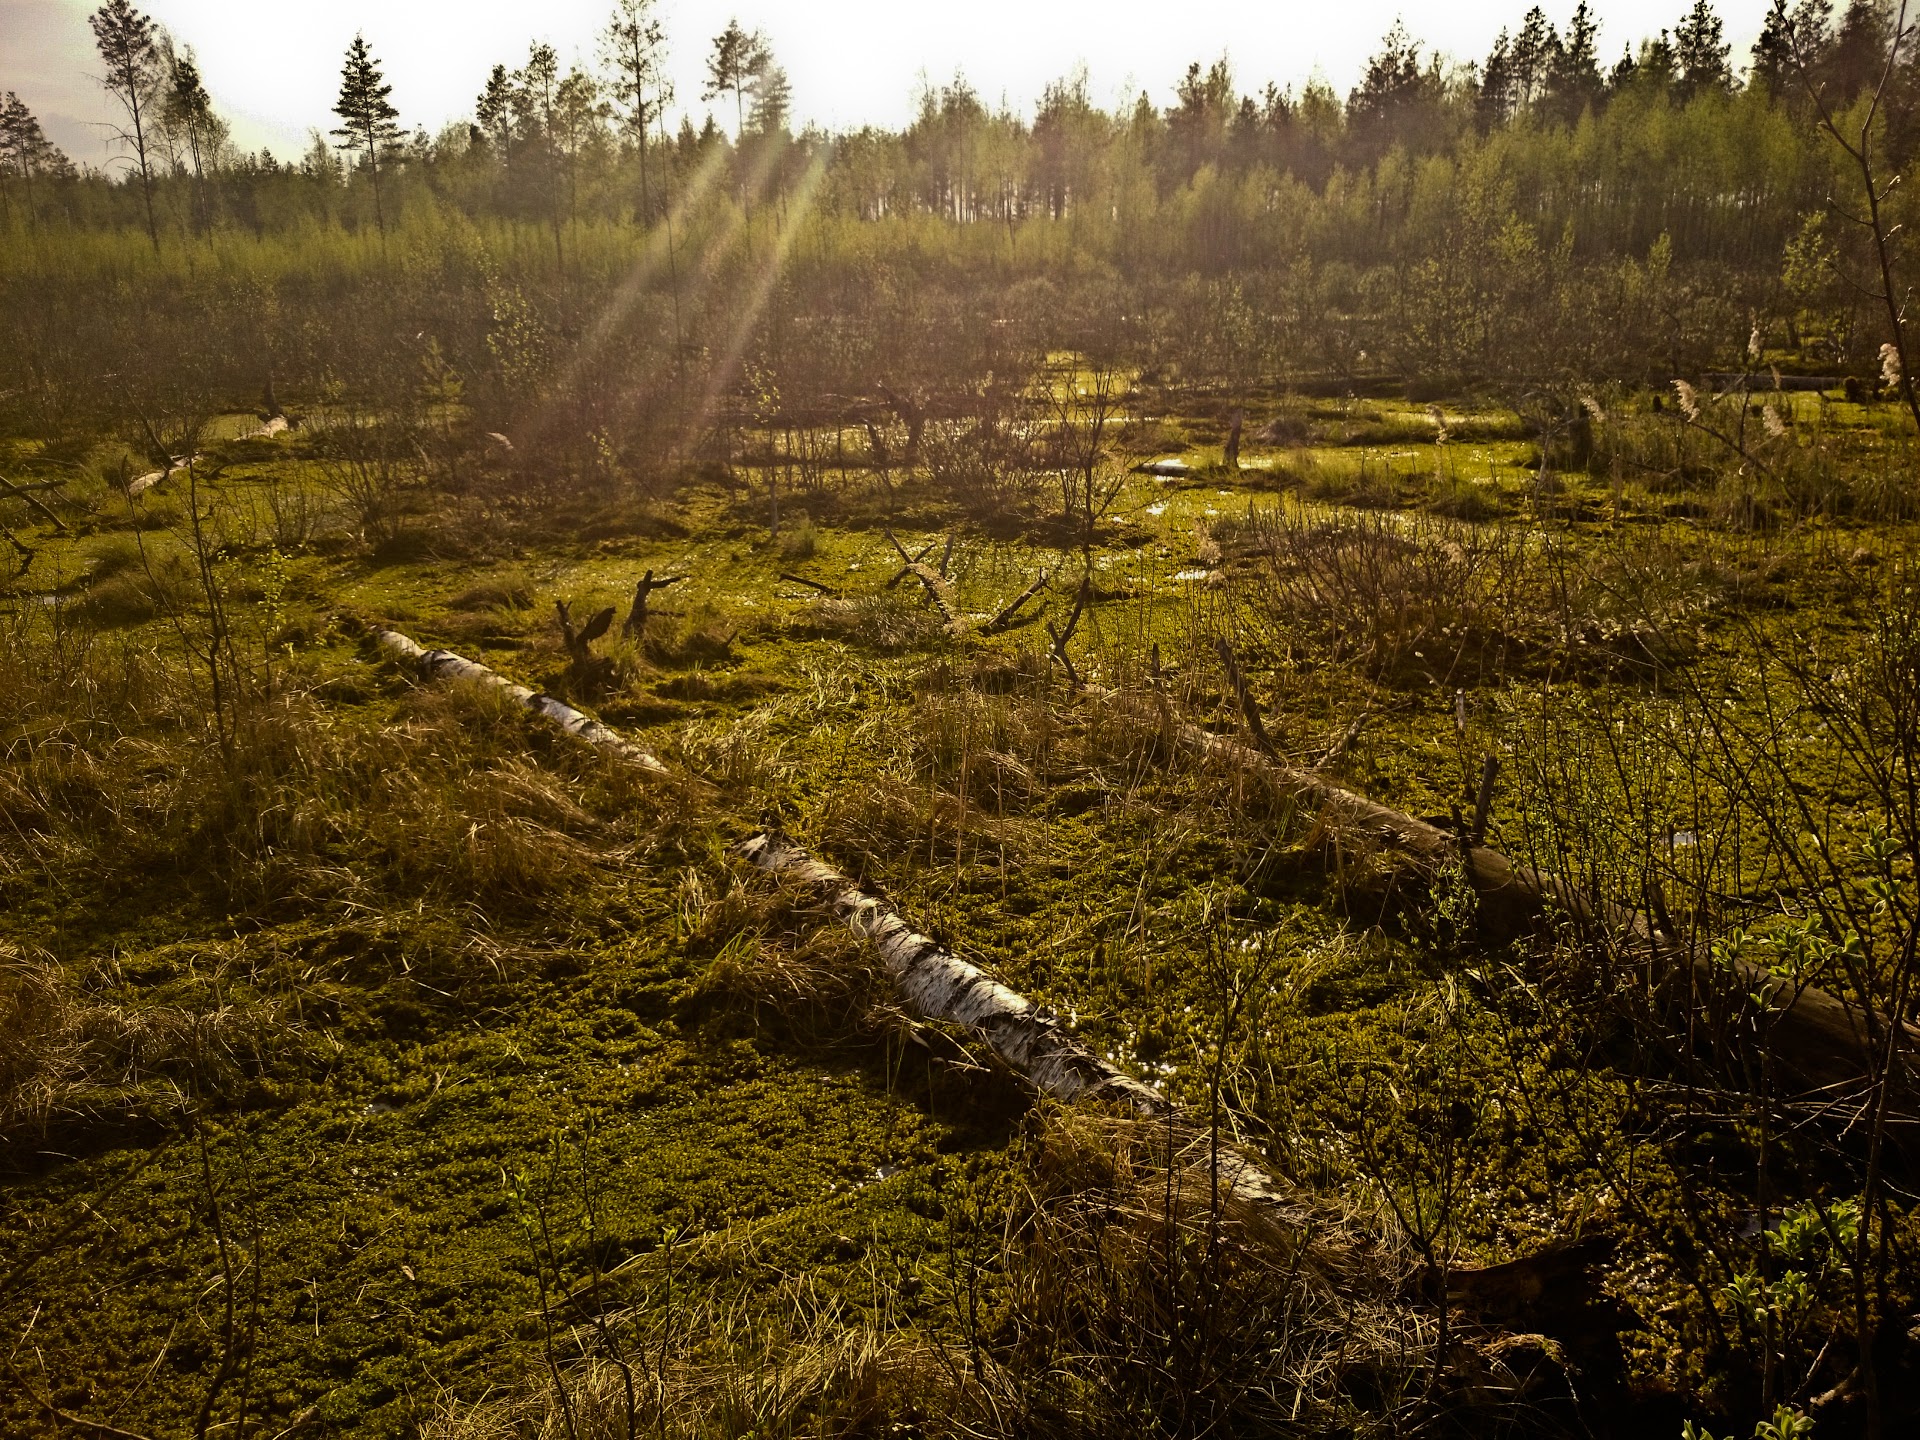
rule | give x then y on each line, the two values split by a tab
366	1043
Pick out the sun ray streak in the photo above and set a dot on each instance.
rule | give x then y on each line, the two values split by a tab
606	325
727	368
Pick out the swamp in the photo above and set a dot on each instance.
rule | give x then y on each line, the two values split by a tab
1246	768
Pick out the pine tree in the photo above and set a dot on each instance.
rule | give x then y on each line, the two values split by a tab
634	47
534	97
772	102
25	150
1198	124
368	113
737	64
1575	83
1494	104
129	47
1536	54
579	118
494	112
187	113
1773	53
1859	51
1797	49
1700	52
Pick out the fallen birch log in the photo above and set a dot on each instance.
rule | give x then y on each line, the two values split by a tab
941	986
444	664
1827	1043
935	982
277	425
152	478
272	426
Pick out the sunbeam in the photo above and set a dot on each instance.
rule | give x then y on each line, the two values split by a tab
723	373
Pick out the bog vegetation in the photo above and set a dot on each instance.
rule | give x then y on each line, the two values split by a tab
1390	621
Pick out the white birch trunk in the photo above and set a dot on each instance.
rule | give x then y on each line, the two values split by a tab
437	664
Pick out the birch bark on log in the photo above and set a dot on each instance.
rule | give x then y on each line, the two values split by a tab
941	986
941	593
437	664
1826	1042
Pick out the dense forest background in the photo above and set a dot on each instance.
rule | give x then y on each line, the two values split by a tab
1538	218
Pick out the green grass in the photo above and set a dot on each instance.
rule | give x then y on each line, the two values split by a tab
401	973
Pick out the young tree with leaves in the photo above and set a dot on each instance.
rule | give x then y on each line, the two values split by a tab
129	47
367	114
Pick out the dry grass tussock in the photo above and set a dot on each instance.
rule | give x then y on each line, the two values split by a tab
1112	1297
806	1374
448	793
69	1056
774	959
996	750
887	815
889	623
1410	598
1142	1301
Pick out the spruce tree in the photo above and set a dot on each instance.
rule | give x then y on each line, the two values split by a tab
368	114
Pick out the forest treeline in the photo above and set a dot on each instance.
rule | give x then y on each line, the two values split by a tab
1537	216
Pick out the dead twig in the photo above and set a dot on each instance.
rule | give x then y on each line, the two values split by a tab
1248	706
810	584
1062	636
1008	613
25	492
1345	743
25	550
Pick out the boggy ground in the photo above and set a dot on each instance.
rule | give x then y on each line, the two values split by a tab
380	1061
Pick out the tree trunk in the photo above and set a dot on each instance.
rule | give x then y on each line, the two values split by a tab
1824	1041
437	664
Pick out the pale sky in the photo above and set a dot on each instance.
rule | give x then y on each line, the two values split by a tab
274	67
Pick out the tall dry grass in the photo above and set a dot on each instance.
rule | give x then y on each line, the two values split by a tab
1115	1295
